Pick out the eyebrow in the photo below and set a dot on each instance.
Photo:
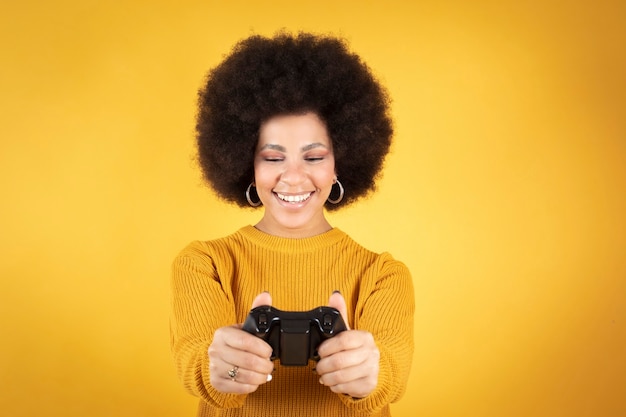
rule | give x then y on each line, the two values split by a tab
283	149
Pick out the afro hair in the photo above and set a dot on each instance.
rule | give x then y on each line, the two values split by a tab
292	74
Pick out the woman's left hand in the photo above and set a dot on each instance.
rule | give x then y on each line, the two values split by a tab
349	361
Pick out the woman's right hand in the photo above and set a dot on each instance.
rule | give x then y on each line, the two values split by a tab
238	361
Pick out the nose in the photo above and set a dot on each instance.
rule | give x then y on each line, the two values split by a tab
293	174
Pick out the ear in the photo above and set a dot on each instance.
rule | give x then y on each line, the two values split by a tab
337	301
263	299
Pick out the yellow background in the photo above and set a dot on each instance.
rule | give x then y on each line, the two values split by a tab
504	194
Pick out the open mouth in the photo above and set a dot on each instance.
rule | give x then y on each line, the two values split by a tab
294	199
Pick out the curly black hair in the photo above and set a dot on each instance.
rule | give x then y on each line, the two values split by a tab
292	74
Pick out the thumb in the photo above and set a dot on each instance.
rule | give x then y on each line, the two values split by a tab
263	299
337	301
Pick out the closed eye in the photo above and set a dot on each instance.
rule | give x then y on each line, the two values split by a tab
273	159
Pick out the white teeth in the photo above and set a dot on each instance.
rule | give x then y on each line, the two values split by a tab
294	198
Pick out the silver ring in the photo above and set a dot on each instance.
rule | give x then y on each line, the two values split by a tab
232	374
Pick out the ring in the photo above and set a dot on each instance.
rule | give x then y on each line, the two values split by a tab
232	374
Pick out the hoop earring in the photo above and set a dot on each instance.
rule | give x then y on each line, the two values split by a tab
252	203
341	191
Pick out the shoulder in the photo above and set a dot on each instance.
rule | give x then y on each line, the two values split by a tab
383	257
383	261
388	261
208	252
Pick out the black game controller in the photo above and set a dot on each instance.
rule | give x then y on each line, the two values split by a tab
294	335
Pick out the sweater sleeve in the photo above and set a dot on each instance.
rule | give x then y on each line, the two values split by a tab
201	304
385	308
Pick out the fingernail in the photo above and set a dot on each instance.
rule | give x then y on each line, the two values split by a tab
336	292
269	377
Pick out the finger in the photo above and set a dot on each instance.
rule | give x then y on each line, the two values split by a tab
263	299
229	386
337	301
357	381
350	340
359	388
246	376
227	365
239	340
344	375
367	359
245	362
339	361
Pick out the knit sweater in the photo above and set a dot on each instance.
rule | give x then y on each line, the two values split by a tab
215	282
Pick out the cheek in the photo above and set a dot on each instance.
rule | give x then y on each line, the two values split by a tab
262	175
326	179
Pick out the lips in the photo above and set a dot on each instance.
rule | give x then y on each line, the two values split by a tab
294	199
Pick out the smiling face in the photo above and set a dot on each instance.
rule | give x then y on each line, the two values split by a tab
294	171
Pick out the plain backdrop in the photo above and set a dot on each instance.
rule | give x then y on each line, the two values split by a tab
504	194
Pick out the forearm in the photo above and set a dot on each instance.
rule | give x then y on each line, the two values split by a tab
386	311
199	307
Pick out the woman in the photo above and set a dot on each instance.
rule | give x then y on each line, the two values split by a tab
293	125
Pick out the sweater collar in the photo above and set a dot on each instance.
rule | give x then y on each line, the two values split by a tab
262	239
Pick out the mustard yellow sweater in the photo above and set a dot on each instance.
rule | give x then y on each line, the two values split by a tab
214	283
